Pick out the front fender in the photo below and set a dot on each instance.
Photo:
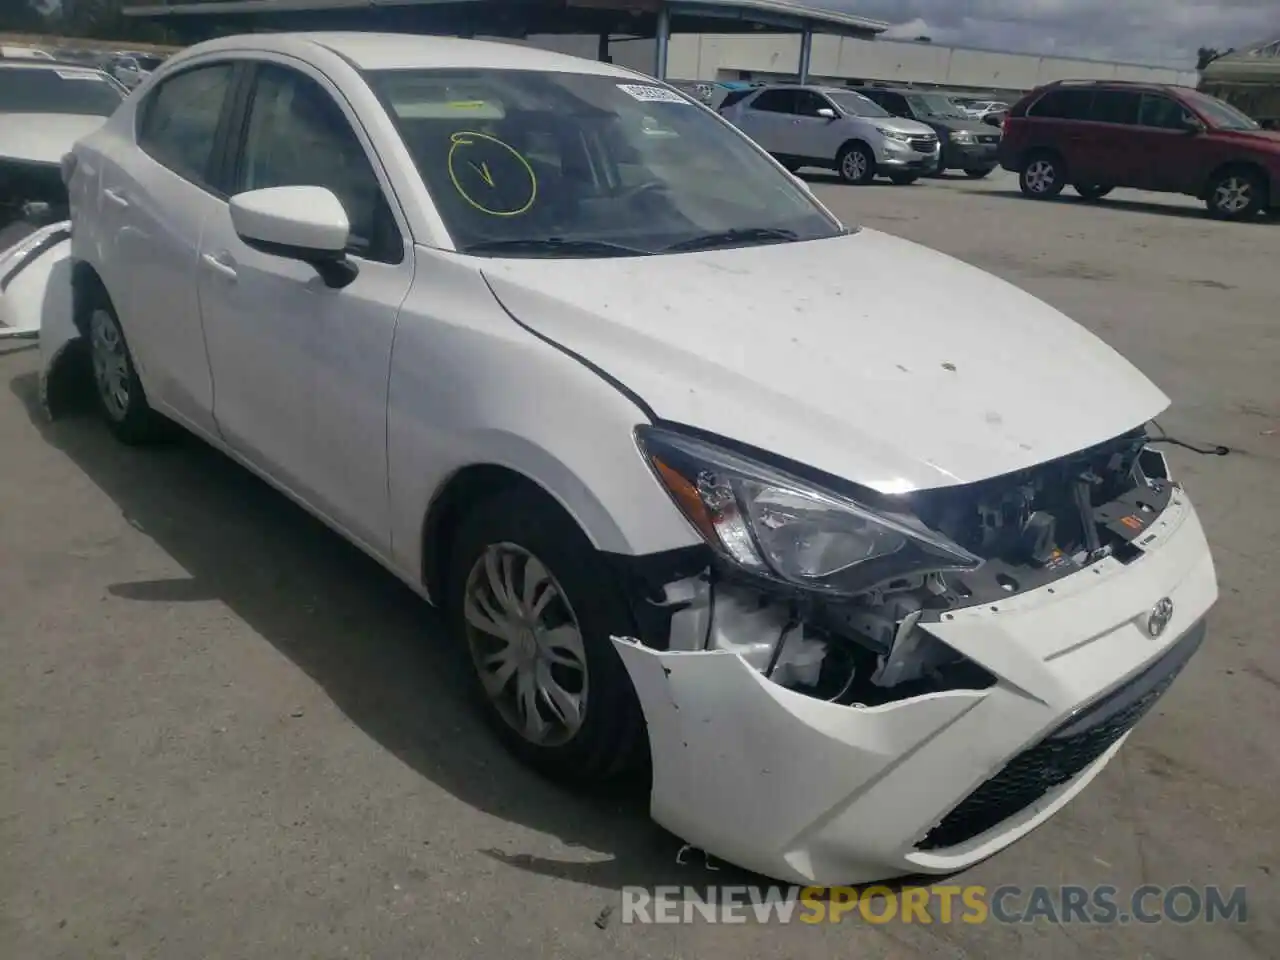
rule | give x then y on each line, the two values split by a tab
36	302
468	386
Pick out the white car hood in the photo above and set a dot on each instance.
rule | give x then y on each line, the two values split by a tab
865	356
43	137
911	128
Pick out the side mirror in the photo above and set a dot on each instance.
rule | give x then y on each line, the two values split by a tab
300	223
1192	125
826	113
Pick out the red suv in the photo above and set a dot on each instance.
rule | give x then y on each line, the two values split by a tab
1100	135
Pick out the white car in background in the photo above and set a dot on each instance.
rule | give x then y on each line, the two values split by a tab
44	108
875	585
834	129
133	68
18	52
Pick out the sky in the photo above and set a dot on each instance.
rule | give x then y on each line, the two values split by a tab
1142	31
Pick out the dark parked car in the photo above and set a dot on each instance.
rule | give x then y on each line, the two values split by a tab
1098	135
967	143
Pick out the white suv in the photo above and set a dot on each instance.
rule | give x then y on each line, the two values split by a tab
835	129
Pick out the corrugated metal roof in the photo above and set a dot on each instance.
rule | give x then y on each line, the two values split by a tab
687	15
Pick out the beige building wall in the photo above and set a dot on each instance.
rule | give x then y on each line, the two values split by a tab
777	56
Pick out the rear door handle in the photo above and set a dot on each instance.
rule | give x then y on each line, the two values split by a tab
115	196
221	263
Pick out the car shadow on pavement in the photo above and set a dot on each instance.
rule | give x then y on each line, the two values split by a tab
377	649
1107	203
811	176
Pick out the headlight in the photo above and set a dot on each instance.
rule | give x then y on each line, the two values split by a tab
785	528
893	134
961	136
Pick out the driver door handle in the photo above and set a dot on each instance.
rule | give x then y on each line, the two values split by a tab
115	196
222	263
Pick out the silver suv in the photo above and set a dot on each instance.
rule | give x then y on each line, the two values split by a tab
833	128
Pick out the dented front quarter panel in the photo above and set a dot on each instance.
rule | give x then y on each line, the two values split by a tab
814	792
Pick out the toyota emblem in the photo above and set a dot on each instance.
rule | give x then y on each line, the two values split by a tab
1159	617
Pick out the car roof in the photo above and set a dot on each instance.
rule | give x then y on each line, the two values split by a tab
1112	85
402	51
868	86
815	87
22	64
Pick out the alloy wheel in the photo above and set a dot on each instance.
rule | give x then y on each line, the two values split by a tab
1041	176
110	364
1233	195
526	644
855	165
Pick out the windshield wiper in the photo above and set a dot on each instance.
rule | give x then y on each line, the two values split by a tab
556	246
728	238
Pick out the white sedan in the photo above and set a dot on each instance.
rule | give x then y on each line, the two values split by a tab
702	478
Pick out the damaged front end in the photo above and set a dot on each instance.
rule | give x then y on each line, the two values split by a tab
829	623
823	588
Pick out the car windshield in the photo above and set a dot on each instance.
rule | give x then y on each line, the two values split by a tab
856	105
933	105
529	163
58	90
1221	116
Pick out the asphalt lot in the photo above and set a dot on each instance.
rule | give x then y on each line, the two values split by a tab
224	733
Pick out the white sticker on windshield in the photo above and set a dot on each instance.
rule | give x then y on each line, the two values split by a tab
80	75
647	94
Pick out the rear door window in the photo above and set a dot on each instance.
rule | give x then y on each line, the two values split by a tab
1115	106
1063	105
734	96
776	101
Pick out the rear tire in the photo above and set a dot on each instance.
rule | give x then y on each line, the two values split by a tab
1043	176
856	164
549	681
120	397
1236	195
1092	191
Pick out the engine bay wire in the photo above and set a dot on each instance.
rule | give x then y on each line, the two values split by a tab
1217	450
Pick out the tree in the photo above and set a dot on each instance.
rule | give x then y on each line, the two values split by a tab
23	16
92	18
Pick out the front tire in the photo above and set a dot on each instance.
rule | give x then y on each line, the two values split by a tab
978	173
1043	176
528	595
904	179
856	164
120	397
1236	195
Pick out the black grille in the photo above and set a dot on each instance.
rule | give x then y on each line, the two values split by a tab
1063	754
922	144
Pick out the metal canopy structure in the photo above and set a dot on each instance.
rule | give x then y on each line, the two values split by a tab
195	20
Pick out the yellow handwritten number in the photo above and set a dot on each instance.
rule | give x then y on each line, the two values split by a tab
467	138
